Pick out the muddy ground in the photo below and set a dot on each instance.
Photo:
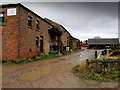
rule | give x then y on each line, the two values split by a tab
51	73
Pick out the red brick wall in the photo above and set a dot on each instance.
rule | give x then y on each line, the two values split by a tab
9	36
18	40
27	36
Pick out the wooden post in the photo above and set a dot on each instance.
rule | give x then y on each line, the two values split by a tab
95	54
87	63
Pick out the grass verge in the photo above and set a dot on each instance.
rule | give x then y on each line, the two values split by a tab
39	58
103	77
69	52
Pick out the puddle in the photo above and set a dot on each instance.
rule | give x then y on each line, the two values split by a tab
40	72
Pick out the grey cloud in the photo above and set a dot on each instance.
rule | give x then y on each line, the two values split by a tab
82	20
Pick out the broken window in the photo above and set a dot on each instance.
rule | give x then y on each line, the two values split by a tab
2	18
37	25
37	41
29	21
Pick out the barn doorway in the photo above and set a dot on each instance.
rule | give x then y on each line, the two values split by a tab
41	43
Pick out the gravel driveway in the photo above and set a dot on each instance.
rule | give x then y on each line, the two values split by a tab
50	73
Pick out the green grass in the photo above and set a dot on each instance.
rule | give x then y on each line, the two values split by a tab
39	58
95	76
50	56
104	76
76	68
74	51
66	52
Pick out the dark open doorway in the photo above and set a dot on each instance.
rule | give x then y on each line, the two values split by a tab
41	43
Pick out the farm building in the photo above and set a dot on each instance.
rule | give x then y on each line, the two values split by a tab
64	39
59	36
25	34
102	43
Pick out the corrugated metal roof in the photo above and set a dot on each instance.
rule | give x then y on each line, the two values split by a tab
103	41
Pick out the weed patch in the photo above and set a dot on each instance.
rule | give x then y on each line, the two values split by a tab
104	77
76	68
68	52
39	58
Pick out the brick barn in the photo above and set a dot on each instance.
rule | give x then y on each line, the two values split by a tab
103	43
25	34
64	40
59	36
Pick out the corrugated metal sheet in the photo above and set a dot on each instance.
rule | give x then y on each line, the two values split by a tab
103	41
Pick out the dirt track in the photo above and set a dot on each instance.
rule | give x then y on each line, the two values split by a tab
51	73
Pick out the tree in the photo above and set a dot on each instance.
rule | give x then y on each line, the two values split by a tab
85	41
97	37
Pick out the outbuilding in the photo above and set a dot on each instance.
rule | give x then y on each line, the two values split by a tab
102	43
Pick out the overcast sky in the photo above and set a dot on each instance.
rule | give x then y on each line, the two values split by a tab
82	20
